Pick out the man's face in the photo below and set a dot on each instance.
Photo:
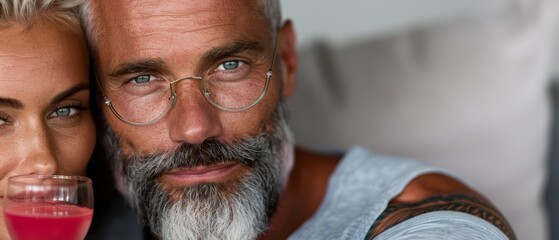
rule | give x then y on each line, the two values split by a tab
199	171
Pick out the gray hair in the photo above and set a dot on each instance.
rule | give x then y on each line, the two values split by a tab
270	9
272	12
29	12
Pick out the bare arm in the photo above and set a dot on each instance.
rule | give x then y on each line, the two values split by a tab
437	193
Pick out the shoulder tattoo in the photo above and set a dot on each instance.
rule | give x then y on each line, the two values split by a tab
399	212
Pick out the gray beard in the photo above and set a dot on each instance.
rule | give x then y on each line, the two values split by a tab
237	209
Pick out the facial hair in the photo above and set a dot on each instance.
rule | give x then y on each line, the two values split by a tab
236	209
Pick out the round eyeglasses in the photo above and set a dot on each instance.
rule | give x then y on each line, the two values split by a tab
146	99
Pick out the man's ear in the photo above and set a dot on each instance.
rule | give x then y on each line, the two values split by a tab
287	53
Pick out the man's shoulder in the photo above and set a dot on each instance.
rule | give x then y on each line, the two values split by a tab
369	193
431	193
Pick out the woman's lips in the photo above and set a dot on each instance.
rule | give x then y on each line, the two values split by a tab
202	174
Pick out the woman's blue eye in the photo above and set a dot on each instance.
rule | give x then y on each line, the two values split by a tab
142	79
65	112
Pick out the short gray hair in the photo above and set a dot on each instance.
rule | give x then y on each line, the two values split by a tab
270	9
29	12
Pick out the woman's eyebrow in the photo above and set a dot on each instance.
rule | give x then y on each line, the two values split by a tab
11	103
69	92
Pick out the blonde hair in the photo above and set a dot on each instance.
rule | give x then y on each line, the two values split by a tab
29	12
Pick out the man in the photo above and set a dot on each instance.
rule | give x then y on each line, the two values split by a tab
193	94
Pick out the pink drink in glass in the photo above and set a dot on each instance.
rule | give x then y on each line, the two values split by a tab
48	221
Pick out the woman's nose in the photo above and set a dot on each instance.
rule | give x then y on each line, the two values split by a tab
38	151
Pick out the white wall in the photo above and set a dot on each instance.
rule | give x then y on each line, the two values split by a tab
346	20
343	21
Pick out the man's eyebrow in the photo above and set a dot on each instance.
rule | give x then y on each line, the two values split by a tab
136	66
230	49
69	92
158	65
11	103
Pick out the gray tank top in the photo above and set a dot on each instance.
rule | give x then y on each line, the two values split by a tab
359	191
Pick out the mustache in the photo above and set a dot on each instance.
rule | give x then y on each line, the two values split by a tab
245	151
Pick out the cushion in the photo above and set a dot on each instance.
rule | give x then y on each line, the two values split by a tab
468	94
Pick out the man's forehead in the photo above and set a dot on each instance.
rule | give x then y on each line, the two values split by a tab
193	12
126	18
142	27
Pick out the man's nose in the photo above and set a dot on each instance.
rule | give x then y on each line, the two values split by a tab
38	151
193	119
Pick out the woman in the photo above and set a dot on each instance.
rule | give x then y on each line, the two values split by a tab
45	123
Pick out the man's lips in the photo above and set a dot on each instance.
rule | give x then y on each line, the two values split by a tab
209	174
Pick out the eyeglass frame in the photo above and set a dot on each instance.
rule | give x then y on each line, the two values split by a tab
206	94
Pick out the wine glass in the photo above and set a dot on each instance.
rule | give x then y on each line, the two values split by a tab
48	207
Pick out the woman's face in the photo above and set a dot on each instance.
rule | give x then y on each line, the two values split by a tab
45	122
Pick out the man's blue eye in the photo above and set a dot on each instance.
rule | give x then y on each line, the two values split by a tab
142	79
230	65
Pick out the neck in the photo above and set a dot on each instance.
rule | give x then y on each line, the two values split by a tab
303	193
